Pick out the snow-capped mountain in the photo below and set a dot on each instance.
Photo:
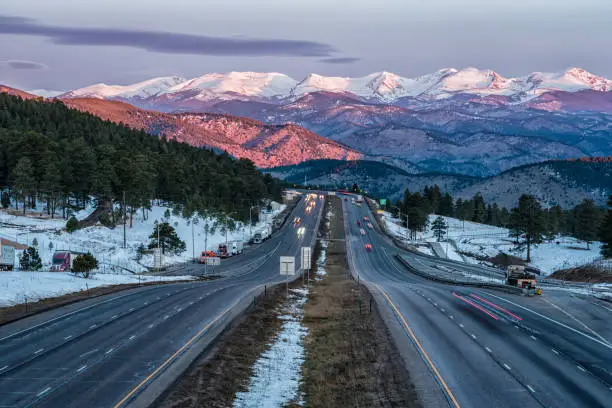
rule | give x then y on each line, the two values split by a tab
382	86
142	90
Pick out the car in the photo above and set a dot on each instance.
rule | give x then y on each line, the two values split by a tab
345	199
370	225
368	247
365	218
362	231
358	223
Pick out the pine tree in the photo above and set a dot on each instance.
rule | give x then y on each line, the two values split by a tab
605	232
24	260
479	213
51	186
587	222
84	264
23	180
527	224
446	206
5	199
439	228
168	239
555	221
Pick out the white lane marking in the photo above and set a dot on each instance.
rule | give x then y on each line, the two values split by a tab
146	303
62	317
435	304
515	326
201	297
442	310
93	326
68	337
166	316
39	350
473	336
43	392
179	309
581	368
552	320
150	326
3	368
132	337
488	350
110	350
461	325
555	351
89	352
132	309
533	338
191	303
81	369
114	317
451	316
600	305
576	320
530	388
507	367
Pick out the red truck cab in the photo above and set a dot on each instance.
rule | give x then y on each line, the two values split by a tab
61	262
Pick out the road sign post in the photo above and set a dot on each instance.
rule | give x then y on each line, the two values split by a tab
306	260
287	268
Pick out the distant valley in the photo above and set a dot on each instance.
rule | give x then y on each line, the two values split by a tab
565	183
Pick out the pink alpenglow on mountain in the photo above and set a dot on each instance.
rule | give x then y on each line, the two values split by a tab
265	145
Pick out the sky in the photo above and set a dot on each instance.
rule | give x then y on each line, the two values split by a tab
68	44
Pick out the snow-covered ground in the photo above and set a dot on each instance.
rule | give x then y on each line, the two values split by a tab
17	287
277	372
482	240
106	244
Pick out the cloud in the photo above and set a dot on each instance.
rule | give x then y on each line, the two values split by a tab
25	65
165	42
339	60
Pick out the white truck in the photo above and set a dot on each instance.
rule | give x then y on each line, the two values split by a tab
235	247
261	235
7	257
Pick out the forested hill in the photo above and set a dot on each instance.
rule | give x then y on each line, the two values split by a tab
48	151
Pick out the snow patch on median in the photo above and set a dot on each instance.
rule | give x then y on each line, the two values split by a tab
277	372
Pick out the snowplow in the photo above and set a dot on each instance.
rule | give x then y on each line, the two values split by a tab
523	277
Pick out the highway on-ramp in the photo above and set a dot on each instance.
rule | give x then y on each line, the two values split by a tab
124	349
484	348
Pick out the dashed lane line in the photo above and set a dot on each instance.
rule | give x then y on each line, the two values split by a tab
81	369
43	392
507	367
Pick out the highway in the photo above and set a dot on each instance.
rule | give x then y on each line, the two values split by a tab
126	348
485	348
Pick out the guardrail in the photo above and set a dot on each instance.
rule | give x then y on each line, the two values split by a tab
437	278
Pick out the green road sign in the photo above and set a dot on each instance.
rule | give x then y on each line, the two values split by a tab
383	201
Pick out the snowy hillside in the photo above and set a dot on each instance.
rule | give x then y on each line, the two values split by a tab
480	240
106	244
384	86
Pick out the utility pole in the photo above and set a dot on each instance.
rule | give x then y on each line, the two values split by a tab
124	221
158	249
192	241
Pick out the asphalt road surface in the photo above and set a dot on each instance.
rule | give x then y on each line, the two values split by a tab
485	348
124	348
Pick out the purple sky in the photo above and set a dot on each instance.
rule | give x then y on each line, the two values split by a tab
66	44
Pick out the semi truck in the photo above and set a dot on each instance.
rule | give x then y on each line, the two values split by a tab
62	261
7	257
207	254
261	235
235	247
523	277
222	251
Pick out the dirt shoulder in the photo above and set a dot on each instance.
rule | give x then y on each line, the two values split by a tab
351	360
13	313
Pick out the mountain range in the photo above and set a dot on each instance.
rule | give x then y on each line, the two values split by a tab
470	121
379	87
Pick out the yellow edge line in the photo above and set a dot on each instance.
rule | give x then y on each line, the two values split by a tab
423	352
176	353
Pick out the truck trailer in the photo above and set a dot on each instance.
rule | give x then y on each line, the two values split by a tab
7	257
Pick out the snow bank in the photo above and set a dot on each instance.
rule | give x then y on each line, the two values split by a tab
16	287
277	372
482	240
106	244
